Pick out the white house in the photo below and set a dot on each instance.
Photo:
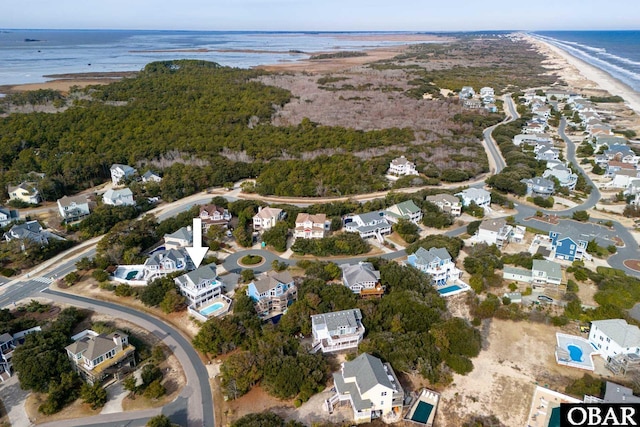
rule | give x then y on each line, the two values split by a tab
370	224
622	178
180	238
120	173
338	330
362	279
467	92
200	285
494	232
565	176
516	274
311	226
539	186
266	218
487	94
401	167
371	388
118	197
24	192
165	262
480	196
614	336
74	208
545	273
8	216
447	203
150	176
437	263
404	210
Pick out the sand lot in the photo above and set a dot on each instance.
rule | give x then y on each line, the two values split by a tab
515	357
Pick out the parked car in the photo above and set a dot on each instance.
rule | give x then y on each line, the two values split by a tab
545	298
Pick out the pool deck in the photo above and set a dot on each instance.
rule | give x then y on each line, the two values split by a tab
543	403
563	355
198	314
454	288
429	397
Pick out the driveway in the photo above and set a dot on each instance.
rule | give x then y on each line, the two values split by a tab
13	398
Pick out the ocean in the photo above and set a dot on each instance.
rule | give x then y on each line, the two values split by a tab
616	52
26	56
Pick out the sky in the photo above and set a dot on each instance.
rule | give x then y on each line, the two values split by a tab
322	15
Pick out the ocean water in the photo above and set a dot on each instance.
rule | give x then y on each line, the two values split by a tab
616	52
26	56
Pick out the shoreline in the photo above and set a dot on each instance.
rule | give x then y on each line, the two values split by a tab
598	77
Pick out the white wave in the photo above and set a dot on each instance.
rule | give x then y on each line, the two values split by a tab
593	60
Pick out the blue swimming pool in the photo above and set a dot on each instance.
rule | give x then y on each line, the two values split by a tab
449	289
575	353
213	307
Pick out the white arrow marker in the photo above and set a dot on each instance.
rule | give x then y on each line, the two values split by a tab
197	252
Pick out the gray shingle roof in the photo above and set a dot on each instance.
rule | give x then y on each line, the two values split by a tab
427	256
552	269
358	273
184	233
368	372
348	318
203	273
371	216
272	279
620	331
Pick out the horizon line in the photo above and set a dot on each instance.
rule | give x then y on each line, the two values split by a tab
318	31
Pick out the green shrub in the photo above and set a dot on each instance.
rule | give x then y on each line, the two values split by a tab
251	259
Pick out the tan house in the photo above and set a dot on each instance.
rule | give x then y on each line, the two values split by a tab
311	226
97	356
447	203
24	192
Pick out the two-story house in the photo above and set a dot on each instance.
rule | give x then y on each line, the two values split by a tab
437	263
164	262
311	226
118	197
74	208
447	203
363	279
338	330
404	210
8	343
567	248
214	215
614	337
546	272
479	196
272	293
120	172
200	285
494	232
370	386
266	218
565	176
487	94
539	186
25	192
466	92
181	238
150	176
30	232
95	356
7	216
370	224
402	167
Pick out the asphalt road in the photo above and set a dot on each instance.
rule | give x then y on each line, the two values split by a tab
194	407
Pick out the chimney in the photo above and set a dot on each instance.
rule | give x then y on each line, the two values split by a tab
189	228
117	339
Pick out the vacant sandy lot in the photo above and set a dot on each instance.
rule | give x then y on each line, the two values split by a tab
516	356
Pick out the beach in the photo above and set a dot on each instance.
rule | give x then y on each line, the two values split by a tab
581	75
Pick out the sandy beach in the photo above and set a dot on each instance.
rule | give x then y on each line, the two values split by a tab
582	75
